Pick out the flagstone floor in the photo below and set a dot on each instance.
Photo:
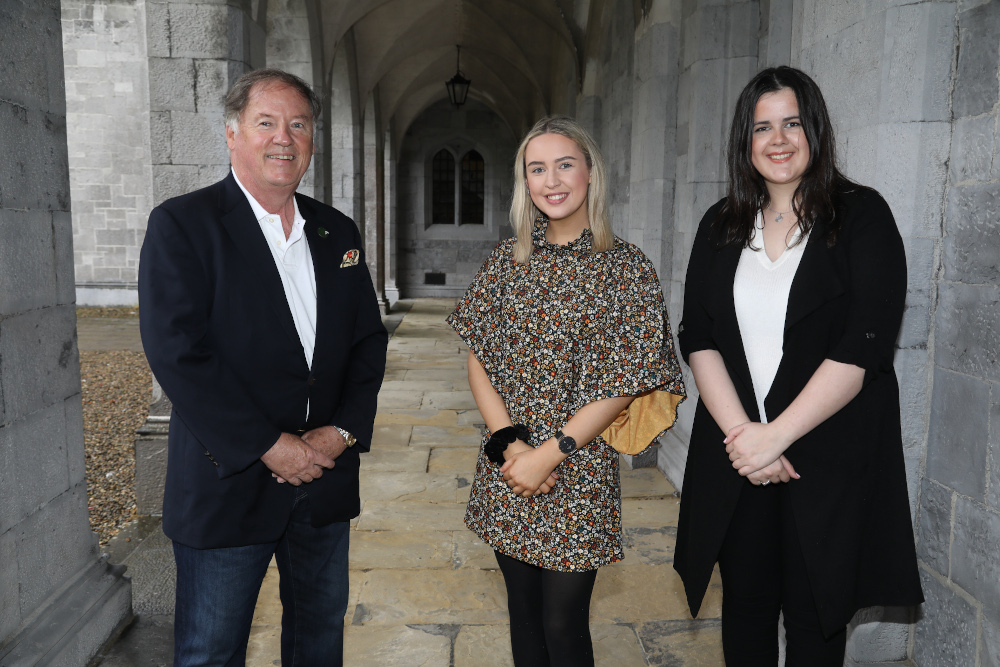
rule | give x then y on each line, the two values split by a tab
425	591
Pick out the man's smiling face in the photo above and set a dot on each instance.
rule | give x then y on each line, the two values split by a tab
272	149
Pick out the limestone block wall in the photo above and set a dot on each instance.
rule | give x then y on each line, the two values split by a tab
611	69
959	514
652	167
343	143
718	55
885	76
196	52
458	251
288	48
886	73
107	111
56	596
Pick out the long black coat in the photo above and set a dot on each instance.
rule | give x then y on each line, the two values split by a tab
850	507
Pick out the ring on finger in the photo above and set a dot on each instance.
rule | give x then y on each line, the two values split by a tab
765	482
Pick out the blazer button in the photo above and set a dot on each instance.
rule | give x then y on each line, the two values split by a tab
312	381
870	334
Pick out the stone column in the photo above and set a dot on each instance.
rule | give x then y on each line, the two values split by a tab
60	601
390	150
196	52
718	55
373	230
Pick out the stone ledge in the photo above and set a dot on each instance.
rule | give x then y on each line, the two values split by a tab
77	622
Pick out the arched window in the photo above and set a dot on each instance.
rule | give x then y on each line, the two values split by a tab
443	188
473	189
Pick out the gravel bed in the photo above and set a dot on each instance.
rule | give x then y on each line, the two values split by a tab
107	311
116	387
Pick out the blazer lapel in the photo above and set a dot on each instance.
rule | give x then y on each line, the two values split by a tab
326	264
239	222
816	280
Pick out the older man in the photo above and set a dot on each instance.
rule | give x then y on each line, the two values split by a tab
260	322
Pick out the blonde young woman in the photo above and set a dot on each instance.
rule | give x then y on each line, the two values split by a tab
565	326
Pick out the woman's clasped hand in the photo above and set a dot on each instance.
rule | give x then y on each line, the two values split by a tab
527	472
756	451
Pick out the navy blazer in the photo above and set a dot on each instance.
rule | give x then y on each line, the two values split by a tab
220	339
850	507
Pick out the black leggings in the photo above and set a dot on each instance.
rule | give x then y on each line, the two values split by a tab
549	614
764	574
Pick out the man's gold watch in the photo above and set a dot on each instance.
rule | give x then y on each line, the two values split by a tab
348	438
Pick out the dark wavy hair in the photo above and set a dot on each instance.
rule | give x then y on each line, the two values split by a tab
747	194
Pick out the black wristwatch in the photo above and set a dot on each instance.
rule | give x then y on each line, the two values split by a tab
567	445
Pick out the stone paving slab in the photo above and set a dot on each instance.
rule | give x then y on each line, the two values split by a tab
395	646
446	436
394	597
417	417
646	483
471	552
449	400
402	549
453	460
399	399
390	435
616	644
650	512
692	643
396	459
635	592
411	515
394	485
479	645
450	375
419	386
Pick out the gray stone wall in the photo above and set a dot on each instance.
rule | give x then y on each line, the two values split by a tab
107	113
884	73
613	82
289	48
652	169
458	251
196	52
959	513
56	597
343	144
718	55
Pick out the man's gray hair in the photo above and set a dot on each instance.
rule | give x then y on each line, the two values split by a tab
239	95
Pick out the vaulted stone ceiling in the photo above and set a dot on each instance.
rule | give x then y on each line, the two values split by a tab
519	54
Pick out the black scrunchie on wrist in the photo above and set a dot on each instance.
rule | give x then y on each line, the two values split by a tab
497	444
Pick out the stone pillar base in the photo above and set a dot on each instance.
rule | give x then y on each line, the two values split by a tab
77	621
151	455
644	459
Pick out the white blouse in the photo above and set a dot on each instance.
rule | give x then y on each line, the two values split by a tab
760	293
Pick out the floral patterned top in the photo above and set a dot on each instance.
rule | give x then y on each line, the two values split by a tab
568	328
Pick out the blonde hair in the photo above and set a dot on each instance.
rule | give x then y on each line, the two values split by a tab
523	211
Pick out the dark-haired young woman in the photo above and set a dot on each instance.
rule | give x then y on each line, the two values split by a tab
795	482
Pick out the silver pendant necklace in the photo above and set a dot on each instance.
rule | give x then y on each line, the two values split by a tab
780	213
